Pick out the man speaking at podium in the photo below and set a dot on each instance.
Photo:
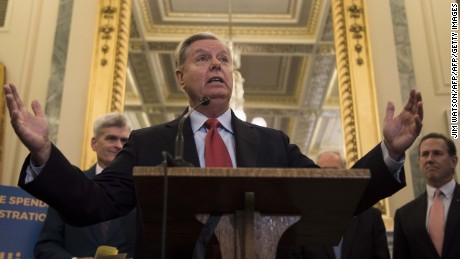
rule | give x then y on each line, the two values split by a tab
203	68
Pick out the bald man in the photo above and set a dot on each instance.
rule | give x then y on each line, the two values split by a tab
330	159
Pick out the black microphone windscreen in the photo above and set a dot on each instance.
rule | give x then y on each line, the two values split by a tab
205	100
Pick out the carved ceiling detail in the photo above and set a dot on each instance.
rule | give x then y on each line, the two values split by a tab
287	61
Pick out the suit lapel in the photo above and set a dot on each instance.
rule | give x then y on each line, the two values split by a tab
419	220
190	153
90	173
453	220
330	252
95	229
349	236
245	143
115	226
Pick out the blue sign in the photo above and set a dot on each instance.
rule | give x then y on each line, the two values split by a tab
21	220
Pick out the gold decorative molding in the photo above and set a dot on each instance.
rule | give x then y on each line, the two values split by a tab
106	31
357	28
108	70
356	83
344	81
357	92
222	18
2	119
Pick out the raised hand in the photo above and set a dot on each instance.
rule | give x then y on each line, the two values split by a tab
32	129
401	131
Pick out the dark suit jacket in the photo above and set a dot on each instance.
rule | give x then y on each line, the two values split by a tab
59	240
411	238
365	238
112	194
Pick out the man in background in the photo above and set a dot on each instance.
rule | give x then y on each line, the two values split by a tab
60	240
365	237
418	231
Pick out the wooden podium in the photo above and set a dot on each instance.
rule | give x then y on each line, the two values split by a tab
261	207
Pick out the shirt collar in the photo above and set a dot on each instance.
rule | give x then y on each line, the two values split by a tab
447	189
197	120
98	169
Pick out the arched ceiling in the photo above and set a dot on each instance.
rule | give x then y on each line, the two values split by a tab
287	62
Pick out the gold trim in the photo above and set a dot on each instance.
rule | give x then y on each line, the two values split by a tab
2	119
356	29
344	82
108	69
173	30
356	83
357	92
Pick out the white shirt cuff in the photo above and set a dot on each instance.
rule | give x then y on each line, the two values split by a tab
393	166
32	172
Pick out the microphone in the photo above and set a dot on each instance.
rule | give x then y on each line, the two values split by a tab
177	161
179	148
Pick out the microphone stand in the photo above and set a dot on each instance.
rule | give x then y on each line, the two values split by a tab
166	157
178	161
179	148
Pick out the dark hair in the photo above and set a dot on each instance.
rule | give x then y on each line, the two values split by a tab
182	48
450	144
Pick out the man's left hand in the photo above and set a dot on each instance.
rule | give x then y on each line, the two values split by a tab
401	131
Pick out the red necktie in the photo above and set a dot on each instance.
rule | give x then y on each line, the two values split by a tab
216	153
436	222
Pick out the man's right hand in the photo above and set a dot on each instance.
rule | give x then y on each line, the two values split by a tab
32	129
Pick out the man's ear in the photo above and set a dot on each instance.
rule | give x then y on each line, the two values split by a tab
180	78
454	160
93	143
